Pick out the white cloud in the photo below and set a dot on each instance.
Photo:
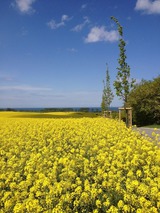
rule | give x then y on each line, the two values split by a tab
148	6
101	34
24	6
65	18
79	27
54	25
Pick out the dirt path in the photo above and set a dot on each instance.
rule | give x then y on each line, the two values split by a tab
148	131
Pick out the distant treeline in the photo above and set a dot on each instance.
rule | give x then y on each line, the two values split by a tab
7	109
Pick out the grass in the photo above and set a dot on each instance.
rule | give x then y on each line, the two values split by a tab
153	126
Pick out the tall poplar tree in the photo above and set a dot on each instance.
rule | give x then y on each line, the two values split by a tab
107	96
124	83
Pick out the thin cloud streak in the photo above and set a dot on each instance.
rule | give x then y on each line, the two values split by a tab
24	88
52	24
79	27
6	79
50	99
73	50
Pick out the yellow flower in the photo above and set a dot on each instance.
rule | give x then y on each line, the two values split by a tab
126	208
106	203
120	204
18	208
65	165
98	204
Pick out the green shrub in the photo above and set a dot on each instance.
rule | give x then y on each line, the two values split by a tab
145	101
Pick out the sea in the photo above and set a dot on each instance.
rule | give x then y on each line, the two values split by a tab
74	109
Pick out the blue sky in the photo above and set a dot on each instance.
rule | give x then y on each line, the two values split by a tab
53	53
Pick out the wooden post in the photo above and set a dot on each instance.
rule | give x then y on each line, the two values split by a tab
119	114
129	115
107	114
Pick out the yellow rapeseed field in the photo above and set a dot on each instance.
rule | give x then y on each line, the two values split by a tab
77	165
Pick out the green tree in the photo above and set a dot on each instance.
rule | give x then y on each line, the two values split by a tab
123	84
107	96
145	101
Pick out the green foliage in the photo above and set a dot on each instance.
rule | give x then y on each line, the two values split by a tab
123	84
145	101
103	103
107	96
